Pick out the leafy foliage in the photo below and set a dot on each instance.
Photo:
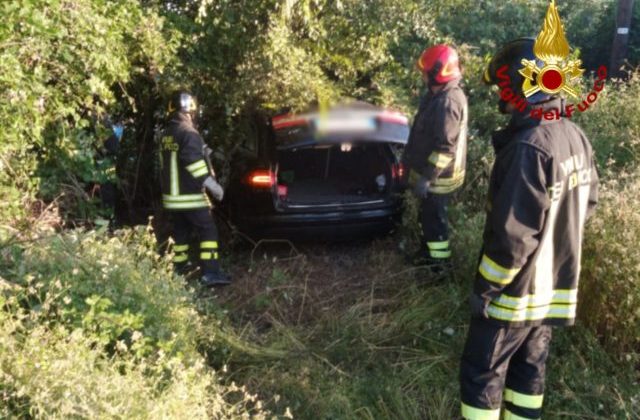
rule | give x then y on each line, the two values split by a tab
63	65
613	127
98	327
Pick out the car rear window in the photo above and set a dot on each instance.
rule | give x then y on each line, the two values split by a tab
339	125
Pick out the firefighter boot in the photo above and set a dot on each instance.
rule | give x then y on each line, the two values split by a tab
215	278
186	269
425	258
420	258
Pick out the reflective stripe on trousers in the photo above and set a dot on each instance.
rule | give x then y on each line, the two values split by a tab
180	253
198	221
503	365
439	250
435	229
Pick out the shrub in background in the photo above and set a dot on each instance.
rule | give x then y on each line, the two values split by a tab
63	66
613	125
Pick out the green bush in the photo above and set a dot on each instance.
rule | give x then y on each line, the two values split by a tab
60	373
610	290
65	65
613	126
93	326
485	25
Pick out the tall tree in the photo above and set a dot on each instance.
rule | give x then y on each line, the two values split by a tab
621	39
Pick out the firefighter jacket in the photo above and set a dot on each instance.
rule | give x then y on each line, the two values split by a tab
182	165
542	189
437	145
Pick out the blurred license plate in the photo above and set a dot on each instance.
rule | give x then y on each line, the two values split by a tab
345	124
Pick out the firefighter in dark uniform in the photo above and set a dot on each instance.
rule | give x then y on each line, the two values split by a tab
543	187
106	158
187	184
437	150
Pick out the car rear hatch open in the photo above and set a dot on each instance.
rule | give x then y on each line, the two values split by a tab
342	158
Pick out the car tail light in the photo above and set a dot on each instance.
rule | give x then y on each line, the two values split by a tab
261	178
397	171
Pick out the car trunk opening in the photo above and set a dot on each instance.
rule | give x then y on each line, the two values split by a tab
329	175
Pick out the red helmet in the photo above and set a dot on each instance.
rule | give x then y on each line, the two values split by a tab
440	63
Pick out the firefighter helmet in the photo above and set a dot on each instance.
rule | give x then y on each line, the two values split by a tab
508	61
440	63
183	101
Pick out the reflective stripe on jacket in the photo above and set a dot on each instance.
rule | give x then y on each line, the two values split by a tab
437	145
542	189
183	168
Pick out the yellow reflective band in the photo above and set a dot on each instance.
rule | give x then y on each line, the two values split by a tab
196	165
173	174
185	201
178	258
180	248
440	254
508	415
206	255
559	296
532	314
186	205
456	179
523	400
215	255
447	185
487	76
438	245
472	413
200	172
183	197
209	245
496	273
440	160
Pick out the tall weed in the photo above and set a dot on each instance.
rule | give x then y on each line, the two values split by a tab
610	290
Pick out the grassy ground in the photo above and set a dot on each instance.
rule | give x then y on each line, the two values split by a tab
351	331
317	331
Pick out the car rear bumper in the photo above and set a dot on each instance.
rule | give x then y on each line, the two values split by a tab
339	224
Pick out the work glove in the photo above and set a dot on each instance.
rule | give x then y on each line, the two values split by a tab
213	188
478	306
421	187
118	131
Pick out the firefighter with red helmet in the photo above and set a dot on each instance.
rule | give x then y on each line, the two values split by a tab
436	150
543	187
187	183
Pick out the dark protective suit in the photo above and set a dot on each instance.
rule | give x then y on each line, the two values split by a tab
437	150
106	160
543	187
183	171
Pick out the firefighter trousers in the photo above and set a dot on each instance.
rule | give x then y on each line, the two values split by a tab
435	229
201	222
501	364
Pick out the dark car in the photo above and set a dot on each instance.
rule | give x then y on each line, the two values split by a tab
333	174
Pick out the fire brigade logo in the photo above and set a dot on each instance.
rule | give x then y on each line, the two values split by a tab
552	48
